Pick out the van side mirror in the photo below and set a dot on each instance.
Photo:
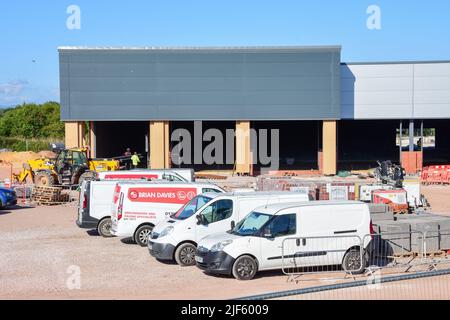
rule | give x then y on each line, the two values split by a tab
268	235
233	224
200	219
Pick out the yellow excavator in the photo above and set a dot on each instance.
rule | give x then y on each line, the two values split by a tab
71	167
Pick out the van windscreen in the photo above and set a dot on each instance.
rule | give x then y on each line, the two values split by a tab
191	207
251	224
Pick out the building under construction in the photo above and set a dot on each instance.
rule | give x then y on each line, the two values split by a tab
331	115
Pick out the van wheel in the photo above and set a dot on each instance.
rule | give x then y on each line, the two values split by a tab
245	268
141	235
352	262
104	228
185	255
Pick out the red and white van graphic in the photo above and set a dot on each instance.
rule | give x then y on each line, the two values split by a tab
134	195
161	195
116	193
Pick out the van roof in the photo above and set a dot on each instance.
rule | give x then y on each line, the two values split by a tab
255	194
125	181
161	182
276	207
145	170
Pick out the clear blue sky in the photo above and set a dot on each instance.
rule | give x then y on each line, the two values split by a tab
32	30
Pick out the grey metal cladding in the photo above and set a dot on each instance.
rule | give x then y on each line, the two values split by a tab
416	90
261	83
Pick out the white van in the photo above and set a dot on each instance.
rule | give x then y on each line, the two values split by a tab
255	244
94	202
138	207
180	175
177	238
94	207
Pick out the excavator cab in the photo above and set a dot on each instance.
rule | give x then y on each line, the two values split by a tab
70	163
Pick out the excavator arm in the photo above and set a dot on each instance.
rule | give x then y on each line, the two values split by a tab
22	176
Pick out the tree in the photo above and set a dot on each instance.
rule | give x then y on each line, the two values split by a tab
32	121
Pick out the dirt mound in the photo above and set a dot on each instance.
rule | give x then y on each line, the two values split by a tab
17	159
17	156
47	154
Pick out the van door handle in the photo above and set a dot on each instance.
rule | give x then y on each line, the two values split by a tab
303	242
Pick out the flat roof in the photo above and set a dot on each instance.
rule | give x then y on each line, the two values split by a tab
212	48
243	49
395	62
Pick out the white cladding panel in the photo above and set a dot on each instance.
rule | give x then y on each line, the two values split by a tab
395	91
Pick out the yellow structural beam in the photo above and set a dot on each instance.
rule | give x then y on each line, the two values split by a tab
243	147
329	147
72	134
92	148
159	145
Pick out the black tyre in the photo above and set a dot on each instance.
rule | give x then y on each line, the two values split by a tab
87	176
44	179
104	228
185	254
141	235
354	262
245	268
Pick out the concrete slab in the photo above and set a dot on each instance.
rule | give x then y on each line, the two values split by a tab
444	234
396	237
428	228
380	212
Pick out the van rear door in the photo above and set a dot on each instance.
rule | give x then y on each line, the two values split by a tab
329	232
100	201
83	202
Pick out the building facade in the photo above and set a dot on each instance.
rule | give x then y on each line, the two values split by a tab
330	115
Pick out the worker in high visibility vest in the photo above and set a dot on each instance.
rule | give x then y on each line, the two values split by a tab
135	160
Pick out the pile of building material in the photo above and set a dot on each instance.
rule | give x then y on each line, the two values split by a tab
347	189
411	234
43	195
210	176
436	175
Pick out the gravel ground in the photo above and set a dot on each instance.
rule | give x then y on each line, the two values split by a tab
41	248
438	197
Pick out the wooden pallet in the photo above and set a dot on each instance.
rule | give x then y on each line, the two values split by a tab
405	255
46	189
437	254
209	176
49	195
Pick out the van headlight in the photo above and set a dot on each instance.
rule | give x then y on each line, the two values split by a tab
168	230
220	245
